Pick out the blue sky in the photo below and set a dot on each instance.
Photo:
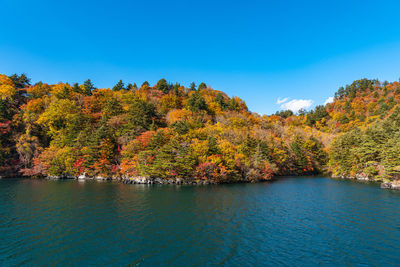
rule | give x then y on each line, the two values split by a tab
261	51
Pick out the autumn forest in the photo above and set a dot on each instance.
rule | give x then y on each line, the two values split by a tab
193	133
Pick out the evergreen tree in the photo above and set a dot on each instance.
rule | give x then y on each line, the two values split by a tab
129	87
192	86
220	100
145	84
119	86
76	88
20	81
163	86
213	146
196	102
202	86
88	87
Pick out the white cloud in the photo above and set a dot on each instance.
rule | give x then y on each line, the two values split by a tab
329	100
296	104
280	101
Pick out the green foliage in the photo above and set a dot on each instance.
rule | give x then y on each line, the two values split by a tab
163	86
171	132
317	114
192	86
112	108
88	87
20	81
181	127
4	111
220	100
342	156
76	88
141	114
284	113
119	86
145	84
357	86
172	160
368	151
131	86
196	103
202	86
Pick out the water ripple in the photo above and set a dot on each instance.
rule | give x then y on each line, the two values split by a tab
290	222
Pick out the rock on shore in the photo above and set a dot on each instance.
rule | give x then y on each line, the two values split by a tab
150	180
394	185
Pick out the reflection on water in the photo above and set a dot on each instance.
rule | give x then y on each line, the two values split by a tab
293	221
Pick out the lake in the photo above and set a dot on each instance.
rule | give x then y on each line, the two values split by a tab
291	221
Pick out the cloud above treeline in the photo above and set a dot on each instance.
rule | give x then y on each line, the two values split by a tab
328	100
295	104
280	101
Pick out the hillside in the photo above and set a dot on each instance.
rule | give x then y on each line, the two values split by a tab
194	134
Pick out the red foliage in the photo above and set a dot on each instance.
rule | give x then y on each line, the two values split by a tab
79	165
211	172
5	127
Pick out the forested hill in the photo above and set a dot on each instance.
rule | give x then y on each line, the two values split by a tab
191	133
362	103
368	114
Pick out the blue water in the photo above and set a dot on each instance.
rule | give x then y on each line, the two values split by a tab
292	221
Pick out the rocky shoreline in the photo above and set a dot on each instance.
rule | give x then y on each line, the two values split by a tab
393	185
137	180
148	180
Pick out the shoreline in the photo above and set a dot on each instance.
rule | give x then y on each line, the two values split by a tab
136	179
392	185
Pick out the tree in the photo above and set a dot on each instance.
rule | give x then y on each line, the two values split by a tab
141	114
196	102
129	87
20	81
316	115
27	148
163	86
284	113
76	88
4	110
7	88
39	90
202	86
220	100
119	86
88	87
342	156
192	86
145	85
112	108
173	160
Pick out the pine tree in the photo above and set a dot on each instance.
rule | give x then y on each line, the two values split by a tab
163	86
119	86
202	86
76	88
145	84
20	81
129	87
88	87
193	86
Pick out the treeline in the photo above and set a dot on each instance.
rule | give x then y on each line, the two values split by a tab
166	130
364	123
369	143
192	133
